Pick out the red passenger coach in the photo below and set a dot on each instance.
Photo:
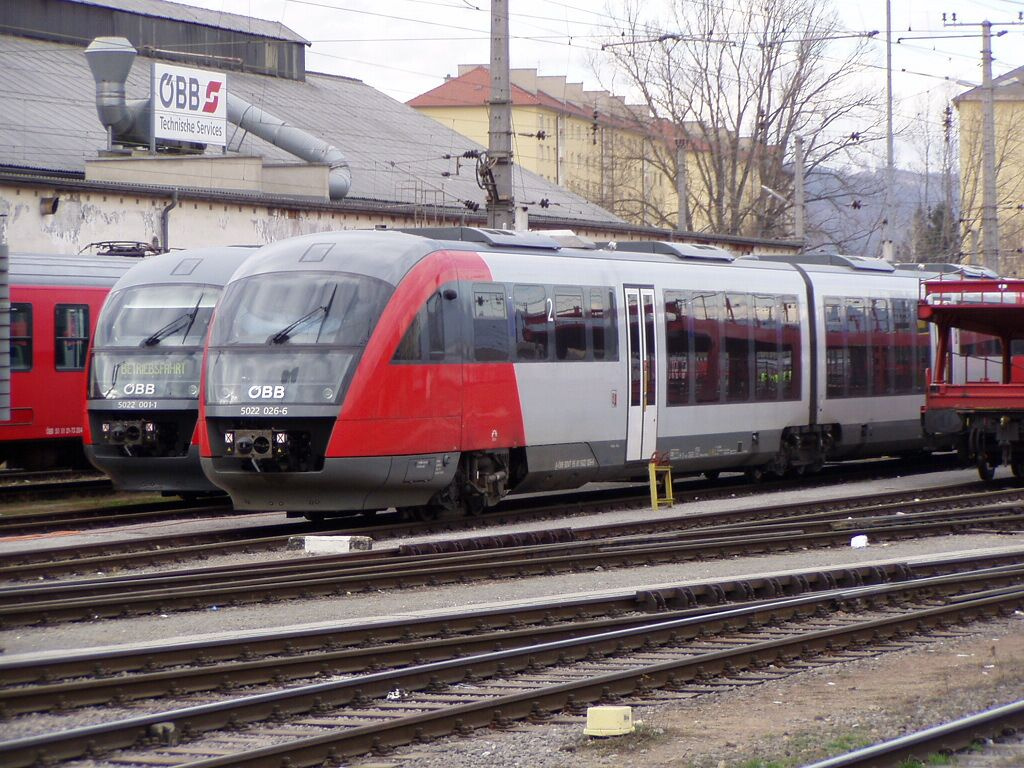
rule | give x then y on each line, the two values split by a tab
976	390
55	301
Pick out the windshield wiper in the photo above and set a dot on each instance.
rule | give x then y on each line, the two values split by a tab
162	333
183	320
285	333
113	379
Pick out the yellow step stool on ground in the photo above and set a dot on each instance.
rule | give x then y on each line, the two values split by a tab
661	475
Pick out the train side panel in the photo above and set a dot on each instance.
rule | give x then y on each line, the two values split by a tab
47	393
872	362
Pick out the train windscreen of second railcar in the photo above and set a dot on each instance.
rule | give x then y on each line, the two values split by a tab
157	315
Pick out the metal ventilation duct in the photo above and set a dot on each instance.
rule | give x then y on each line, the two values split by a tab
294	140
111	58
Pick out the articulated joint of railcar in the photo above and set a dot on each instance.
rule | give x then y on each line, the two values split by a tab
802	449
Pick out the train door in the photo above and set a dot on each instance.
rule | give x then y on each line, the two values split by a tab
642	351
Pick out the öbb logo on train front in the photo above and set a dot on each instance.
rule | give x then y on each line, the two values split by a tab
140	388
266	392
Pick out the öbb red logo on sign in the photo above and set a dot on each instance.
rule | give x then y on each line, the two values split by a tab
212	96
179	92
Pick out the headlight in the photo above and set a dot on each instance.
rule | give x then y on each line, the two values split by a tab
328	393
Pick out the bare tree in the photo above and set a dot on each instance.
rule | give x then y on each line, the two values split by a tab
738	84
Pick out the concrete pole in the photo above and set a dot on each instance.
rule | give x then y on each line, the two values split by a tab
683	223
799	202
5	324
501	211
888	252
989	216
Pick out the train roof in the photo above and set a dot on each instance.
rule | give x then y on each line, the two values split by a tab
56	269
201	266
388	254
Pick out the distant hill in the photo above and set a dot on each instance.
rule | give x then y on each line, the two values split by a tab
845	209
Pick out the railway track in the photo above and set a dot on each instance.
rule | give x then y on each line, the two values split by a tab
87	678
516	555
459	680
36	490
151	551
123	514
687	490
1002	722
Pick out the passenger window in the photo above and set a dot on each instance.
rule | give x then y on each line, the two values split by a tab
858	344
72	336
789	354
532	313
737	347
767	375
604	324
570	325
707	346
21	337
904	346
882	351
836	354
678	339
490	322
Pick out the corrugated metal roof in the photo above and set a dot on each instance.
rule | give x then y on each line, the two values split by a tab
49	269
187	13
49	122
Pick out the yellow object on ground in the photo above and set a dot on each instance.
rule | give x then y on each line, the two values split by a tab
609	721
660	473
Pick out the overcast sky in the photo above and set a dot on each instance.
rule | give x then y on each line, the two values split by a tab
406	47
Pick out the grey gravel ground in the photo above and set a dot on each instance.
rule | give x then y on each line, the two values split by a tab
551	746
218	618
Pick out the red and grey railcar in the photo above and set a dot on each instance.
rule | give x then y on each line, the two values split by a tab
55	301
144	369
441	369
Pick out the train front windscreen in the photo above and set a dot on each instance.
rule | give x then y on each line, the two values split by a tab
149	343
290	339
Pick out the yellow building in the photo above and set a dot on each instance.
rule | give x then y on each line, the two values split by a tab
590	142
1008	92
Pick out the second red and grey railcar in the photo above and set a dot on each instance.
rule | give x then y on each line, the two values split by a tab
437	370
144	369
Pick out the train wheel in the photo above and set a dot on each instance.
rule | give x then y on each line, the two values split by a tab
1017	467
712	474
986	471
755	474
424	514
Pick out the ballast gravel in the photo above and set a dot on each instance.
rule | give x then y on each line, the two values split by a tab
217	618
690	735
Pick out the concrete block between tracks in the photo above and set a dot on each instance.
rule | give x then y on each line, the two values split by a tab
330	545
